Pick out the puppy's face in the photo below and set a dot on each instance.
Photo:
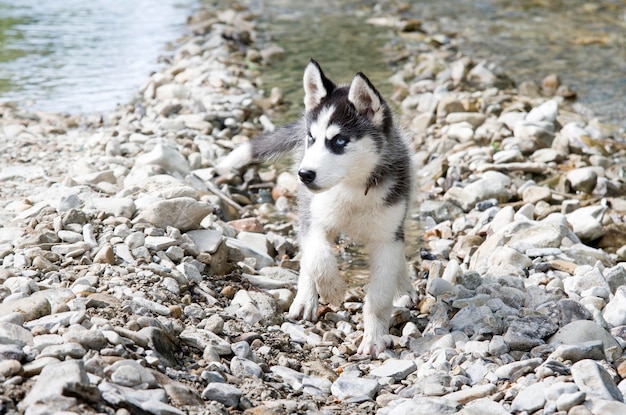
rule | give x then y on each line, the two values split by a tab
344	130
336	150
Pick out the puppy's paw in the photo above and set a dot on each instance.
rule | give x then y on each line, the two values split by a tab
332	290
372	346
407	300
304	307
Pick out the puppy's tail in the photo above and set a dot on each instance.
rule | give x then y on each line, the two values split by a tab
265	147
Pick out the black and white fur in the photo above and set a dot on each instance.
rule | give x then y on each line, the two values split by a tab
356	180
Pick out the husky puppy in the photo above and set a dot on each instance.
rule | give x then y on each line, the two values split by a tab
356	179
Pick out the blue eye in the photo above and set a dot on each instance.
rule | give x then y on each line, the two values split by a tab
338	144
309	140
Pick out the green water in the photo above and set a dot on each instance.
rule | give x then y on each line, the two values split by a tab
83	56
584	42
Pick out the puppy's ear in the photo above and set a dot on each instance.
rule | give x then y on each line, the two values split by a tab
316	85
366	99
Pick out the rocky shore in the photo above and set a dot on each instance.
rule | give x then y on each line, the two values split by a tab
135	278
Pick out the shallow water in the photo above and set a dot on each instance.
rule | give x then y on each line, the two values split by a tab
584	42
83	56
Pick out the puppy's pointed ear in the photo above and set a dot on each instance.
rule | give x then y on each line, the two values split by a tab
366	99
316	85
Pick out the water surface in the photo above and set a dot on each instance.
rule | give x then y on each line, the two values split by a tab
583	42
83	56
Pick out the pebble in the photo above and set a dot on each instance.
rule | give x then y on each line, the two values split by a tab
595	381
223	393
346	387
136	276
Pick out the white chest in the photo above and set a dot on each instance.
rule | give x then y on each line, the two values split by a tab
364	218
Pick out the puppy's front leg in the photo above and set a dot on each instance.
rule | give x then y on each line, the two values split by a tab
387	268
318	274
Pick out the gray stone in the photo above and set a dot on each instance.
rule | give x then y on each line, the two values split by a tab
52	381
13	334
474	319
572	310
497	346
256	307
587	222
118	395
11	352
159	243
346	387
566	401
291	377
604	407
223	393
529	331
9	368
616	277
466	395
299	334
160	408
475	119
130	373
261	260
421	406
438	286
615	311
90	339
167	157
243	368
207	240
183	213
530	398
241	349
256	241
114	206
491	185
520	367
440	210
394	368
201	339
583	179
32	307
595	381
557	389
152	306
483	406
546	112
533	135
582	331
585	350
64	350
164	344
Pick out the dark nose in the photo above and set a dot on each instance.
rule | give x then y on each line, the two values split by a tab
306	176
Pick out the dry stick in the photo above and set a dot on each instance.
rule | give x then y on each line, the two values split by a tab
215	190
